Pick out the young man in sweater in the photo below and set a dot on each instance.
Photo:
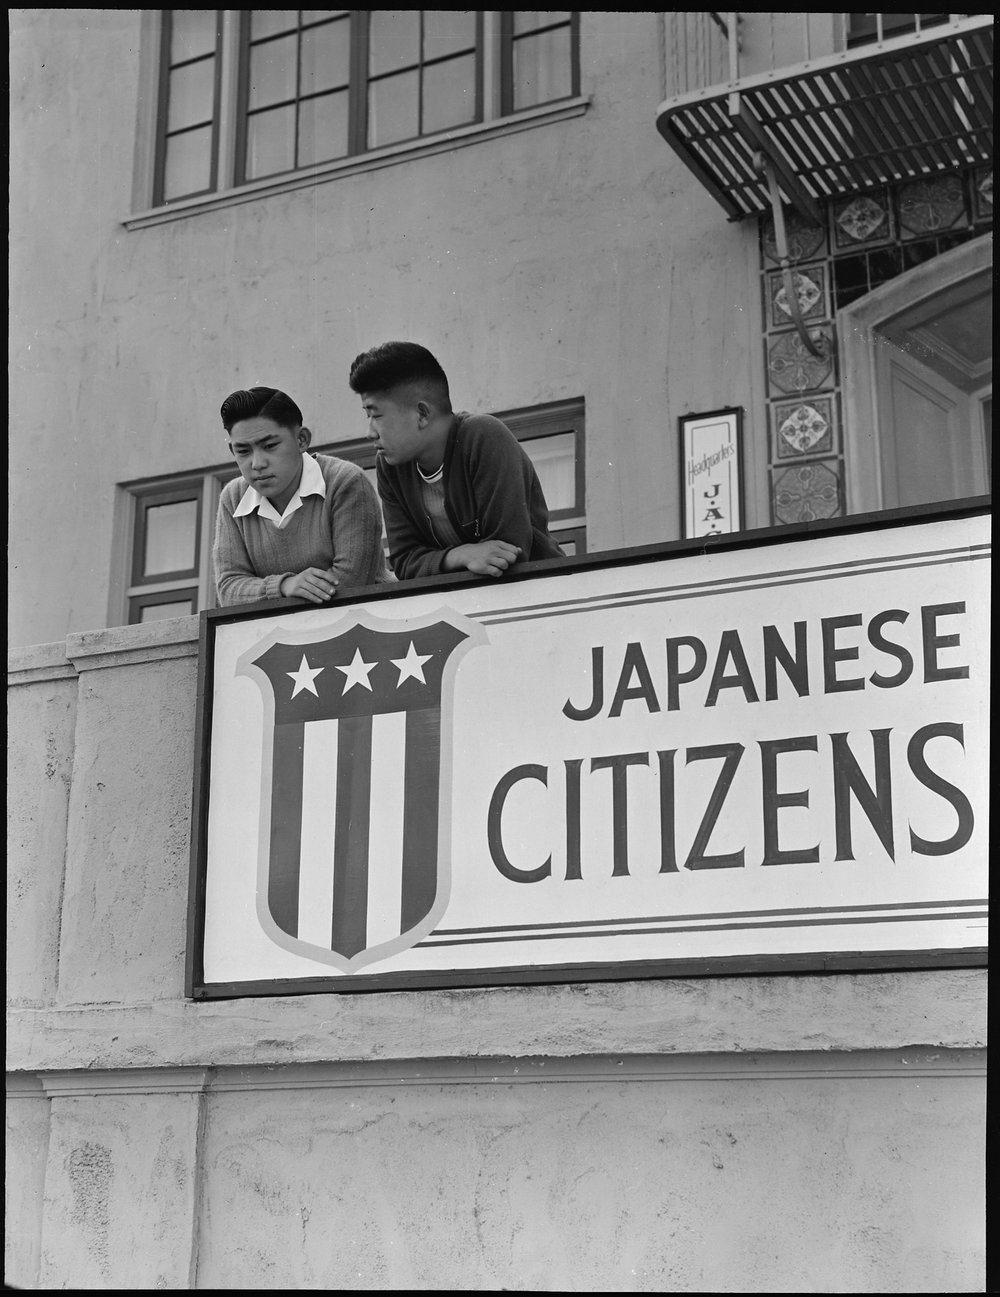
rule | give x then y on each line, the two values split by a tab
294	525
458	490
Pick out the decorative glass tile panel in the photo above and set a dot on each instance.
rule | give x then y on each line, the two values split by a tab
802	427
809	289
850	280
861	220
926	206
885	263
804	240
806	492
791	366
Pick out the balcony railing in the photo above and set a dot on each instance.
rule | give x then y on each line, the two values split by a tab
832	116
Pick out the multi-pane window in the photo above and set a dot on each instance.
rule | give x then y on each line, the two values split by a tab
169	560
539	53
863	29
187	143
294	90
309	87
423	73
171	521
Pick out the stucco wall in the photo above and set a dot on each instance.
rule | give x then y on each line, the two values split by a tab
806	1133
573	259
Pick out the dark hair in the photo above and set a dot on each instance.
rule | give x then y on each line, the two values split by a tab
260	403
396	364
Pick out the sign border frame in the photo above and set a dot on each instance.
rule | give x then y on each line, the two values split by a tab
819	963
683	423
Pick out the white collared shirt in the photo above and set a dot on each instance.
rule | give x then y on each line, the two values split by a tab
311	482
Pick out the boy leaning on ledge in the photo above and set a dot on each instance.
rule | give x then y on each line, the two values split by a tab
294	525
458	490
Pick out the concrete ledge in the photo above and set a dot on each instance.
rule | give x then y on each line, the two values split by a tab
24	1085
171	1080
938	1009
889	1065
38	663
115	646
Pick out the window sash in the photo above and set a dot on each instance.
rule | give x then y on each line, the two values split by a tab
142	591
163	134
154	499
140	602
358	87
510	39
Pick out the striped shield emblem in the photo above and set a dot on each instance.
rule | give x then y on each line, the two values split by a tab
354	865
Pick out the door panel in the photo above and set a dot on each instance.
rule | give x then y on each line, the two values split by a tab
930	440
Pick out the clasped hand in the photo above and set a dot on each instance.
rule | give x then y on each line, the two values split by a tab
315	584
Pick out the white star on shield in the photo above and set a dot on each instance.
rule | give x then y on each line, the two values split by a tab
412	665
305	677
357	671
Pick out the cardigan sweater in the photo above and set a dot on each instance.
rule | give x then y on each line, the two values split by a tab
341	530
491	492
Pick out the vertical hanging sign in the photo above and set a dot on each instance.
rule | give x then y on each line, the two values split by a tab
711	473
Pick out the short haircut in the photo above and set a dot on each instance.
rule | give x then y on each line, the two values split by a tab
400	364
260	403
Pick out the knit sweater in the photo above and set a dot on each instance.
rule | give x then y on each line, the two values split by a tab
491	492
342	530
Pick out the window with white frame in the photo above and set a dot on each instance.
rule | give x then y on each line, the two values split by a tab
169	523
249	95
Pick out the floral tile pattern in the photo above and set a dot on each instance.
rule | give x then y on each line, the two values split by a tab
810	289
791	367
866	239
806	492
802	427
927	206
862	220
804	240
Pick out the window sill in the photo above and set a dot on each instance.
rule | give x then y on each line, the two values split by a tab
389	156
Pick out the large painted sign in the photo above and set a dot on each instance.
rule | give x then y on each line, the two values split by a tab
763	757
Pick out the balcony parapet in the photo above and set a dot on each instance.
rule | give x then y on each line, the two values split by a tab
904	108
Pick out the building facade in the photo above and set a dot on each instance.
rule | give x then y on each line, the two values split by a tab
602	224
